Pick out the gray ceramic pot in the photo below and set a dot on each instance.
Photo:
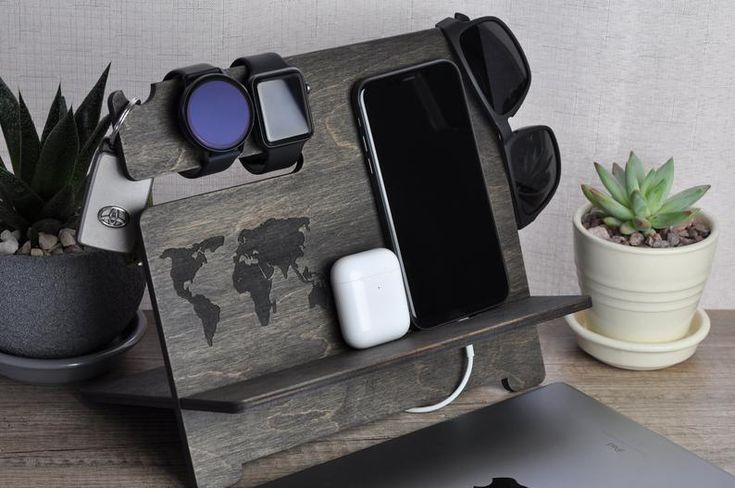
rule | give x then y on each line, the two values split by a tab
66	305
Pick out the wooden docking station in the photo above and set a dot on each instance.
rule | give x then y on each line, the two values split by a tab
254	362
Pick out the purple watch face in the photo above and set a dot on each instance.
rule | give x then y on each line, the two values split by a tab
218	113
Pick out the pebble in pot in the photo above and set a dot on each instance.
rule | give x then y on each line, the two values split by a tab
9	242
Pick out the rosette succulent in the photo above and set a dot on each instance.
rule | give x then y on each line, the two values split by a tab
639	201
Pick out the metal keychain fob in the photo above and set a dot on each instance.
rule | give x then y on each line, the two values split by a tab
113	202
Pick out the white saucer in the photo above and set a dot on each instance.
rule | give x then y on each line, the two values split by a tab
636	355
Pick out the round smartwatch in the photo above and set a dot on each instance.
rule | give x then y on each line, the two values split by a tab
283	117
216	114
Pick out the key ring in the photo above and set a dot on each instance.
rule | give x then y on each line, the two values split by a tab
118	123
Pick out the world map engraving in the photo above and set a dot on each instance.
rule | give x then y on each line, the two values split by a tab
185	264
276	244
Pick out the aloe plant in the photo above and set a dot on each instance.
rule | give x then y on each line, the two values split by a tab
639	201
46	185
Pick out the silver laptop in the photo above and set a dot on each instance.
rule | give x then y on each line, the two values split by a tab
552	437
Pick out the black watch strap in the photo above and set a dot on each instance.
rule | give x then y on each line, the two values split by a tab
273	158
188	73
211	162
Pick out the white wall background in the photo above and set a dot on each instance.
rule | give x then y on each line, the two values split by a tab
655	76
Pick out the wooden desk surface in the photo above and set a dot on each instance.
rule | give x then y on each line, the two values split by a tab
49	438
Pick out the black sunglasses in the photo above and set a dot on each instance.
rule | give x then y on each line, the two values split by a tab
494	63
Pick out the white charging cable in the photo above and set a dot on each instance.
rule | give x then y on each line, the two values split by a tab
470	354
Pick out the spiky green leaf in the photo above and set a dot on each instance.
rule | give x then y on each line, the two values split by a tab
88	113
635	162
10	218
606	203
30	145
627	228
10	123
656	196
633	168
664	174
62	205
22	196
619	174
55	113
58	156
611	183
639	204
684	199
611	221
672	219
87	152
647	181
4	195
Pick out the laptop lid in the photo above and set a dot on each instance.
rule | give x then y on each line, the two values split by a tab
551	437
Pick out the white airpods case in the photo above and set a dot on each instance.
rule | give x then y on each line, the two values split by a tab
370	298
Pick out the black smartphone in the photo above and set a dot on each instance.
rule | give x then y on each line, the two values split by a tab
428	181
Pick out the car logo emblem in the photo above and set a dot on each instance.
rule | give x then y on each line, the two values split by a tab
115	217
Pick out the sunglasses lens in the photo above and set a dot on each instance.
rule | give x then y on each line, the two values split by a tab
497	65
535	166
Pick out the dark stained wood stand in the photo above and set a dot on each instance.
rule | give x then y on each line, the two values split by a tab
239	284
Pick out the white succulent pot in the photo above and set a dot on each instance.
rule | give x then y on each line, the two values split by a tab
641	294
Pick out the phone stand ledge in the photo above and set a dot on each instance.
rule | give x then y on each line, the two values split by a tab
150	388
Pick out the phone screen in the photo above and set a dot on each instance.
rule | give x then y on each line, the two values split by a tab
435	203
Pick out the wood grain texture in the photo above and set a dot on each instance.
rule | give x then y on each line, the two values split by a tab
145	389
64	443
303	416
240	396
240	276
49	436
220	443
151	388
